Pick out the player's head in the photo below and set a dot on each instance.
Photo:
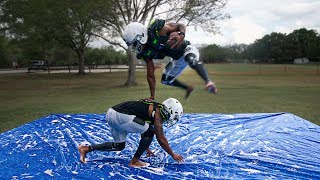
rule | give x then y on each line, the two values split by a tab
135	35
175	109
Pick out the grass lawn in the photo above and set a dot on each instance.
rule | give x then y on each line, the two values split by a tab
242	89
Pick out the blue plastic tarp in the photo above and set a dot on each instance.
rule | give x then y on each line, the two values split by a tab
231	146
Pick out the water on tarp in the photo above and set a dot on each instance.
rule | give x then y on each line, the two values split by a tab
214	146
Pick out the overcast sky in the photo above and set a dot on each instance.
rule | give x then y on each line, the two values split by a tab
252	19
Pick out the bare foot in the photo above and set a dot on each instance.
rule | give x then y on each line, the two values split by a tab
137	163
83	150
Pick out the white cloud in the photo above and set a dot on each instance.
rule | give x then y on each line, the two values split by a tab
252	19
293	9
198	36
246	31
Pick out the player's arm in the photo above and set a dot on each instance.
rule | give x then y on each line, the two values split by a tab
151	77
162	139
160	135
174	27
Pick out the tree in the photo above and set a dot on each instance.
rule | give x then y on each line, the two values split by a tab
235	51
304	43
278	46
69	22
213	53
75	23
268	47
5	61
25	21
198	13
105	55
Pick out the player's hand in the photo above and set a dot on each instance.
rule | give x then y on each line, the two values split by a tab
177	157
149	99
179	40
175	40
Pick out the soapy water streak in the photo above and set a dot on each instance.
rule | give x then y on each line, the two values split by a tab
232	146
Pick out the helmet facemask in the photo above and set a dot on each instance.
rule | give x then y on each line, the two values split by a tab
171	121
136	44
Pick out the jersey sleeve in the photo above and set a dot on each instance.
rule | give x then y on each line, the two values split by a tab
156	24
151	52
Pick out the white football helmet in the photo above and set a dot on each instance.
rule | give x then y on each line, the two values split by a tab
174	107
135	34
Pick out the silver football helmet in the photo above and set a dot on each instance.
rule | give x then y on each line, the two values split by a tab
175	109
135	35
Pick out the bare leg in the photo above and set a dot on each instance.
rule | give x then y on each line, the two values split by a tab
189	90
83	150
171	81
135	162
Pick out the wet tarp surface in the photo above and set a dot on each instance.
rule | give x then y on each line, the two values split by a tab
231	146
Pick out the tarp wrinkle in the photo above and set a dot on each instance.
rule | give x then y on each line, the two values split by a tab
214	146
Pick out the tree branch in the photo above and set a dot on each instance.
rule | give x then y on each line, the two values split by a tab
110	42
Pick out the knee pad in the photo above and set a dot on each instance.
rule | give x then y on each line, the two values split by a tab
191	60
167	80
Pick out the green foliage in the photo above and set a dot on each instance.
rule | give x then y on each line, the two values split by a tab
105	55
69	22
307	42
24	51
214	53
10	52
299	43
277	47
5	60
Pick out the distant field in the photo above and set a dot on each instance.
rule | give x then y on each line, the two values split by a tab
243	88
265	69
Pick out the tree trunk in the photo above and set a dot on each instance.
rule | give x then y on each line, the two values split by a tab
132	68
81	61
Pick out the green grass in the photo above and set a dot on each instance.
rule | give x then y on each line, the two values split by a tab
242	89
